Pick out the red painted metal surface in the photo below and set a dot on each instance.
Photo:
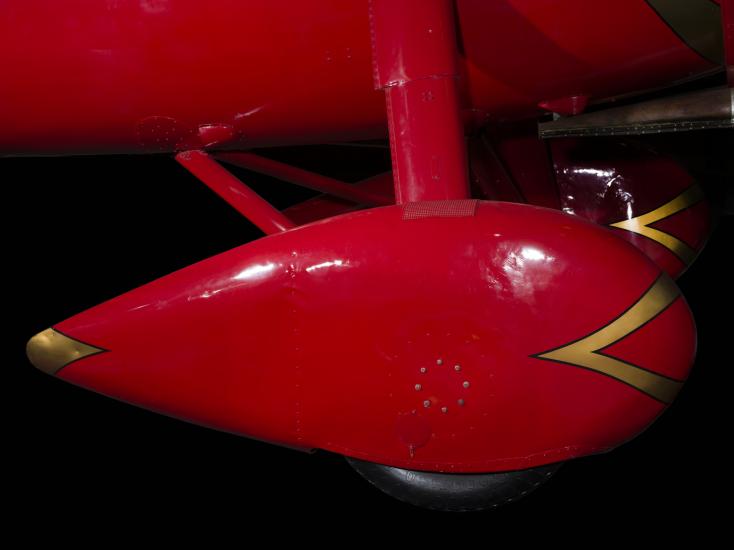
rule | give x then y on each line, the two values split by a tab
490	176
326	206
304	178
415	60
132	76
419	353
610	181
566	106
604	180
237	194
515	152
429	155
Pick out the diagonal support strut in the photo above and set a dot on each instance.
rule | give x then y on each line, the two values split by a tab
304	178
238	195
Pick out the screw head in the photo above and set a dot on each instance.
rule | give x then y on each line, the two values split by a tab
418	387
466	383
439	362
457	368
427	403
423	369
444	409
460	402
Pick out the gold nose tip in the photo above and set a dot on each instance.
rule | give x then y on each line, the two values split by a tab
50	350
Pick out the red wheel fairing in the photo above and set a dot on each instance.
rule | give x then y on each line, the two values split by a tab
425	337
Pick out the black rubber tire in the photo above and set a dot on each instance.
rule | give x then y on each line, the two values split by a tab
453	492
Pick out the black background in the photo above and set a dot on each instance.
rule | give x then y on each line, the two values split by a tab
82	230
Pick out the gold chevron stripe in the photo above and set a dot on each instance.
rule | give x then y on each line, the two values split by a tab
641	224
586	352
50	350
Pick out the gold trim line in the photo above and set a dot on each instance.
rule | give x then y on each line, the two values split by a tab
641	224
50	350
586	352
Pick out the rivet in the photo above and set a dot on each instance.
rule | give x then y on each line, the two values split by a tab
423	369
427	403
444	409
418	387
465	384
460	402
457	368
439	362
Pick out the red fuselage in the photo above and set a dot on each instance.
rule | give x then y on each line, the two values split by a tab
136	76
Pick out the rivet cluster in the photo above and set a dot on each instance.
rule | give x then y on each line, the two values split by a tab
464	384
